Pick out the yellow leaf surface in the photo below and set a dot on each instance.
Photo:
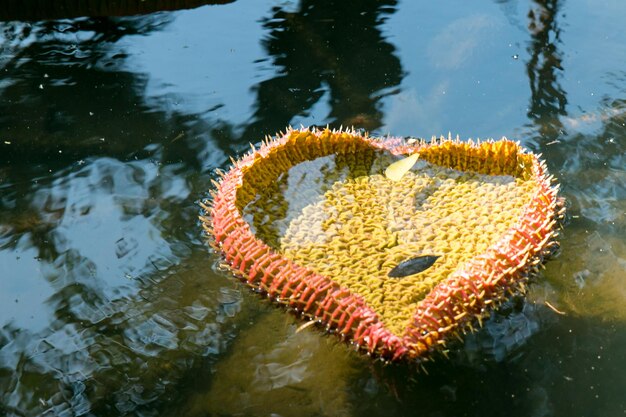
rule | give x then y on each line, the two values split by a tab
396	171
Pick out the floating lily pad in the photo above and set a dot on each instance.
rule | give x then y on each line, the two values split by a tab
399	266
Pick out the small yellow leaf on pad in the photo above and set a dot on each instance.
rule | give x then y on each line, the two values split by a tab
396	171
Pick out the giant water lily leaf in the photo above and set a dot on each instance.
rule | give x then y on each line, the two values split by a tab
399	265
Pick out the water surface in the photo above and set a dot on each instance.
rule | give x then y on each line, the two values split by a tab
111	129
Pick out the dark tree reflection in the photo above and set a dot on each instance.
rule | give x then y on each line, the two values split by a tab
67	98
81	60
355	65
97	191
48	9
544	68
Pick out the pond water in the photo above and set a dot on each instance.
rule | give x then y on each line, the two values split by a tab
111	129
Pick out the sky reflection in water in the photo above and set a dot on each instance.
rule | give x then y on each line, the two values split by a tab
110	129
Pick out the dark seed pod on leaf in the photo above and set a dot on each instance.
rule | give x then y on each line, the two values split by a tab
413	266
